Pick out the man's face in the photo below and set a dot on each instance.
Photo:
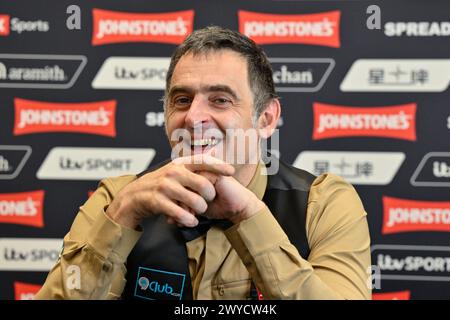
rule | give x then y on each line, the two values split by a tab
210	96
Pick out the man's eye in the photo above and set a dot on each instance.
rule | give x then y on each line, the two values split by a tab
182	101
221	101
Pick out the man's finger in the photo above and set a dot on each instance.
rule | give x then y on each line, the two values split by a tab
208	175
190	199
203	162
178	214
199	184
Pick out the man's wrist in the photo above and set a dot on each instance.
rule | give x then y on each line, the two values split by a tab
116	211
254	206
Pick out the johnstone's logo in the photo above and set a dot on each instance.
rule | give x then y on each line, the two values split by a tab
316	29
432	171
397	75
40	71
412	263
156	284
300	74
29	254
398	295
25	291
132	73
93	163
417	29
89	117
401	215
332	121
12	160
116	27
370	168
24	208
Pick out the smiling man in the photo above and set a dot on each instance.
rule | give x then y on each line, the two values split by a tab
215	221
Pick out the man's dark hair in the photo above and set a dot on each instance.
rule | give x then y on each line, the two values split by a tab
214	38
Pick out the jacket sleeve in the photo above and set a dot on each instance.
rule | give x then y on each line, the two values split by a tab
92	262
338	236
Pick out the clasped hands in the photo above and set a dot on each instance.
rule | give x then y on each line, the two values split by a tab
184	189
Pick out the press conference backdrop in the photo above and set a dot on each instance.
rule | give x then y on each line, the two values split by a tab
364	92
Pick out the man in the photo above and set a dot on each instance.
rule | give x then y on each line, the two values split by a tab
203	226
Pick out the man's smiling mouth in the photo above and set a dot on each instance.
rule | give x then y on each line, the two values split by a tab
203	145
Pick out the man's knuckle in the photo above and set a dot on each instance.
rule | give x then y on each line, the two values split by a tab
173	171
163	186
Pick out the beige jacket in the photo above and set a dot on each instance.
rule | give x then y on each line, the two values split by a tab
222	263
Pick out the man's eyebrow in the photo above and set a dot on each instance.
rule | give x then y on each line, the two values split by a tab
222	88
179	89
213	88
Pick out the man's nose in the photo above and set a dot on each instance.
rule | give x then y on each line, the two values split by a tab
198	112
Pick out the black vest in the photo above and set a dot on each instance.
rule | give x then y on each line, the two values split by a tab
157	267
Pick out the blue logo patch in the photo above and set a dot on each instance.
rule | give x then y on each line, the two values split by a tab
156	284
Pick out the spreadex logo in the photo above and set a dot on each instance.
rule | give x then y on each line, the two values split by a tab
29	254
8	25
333	121
154	119
135	73
417	29
24	208
94	163
402	215
25	291
116	27
40	71
315	29
88	117
398	295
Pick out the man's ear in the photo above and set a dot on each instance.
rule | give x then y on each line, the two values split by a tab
268	120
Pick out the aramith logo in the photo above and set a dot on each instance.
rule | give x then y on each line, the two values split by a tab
29	254
301	74
432	171
397	75
333	121
403	215
39	71
153	284
119	27
93	163
87	117
12	160
132	73
370	168
315	29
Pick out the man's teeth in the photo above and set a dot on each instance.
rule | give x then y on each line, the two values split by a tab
204	142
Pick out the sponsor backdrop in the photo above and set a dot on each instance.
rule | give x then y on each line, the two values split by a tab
364	90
